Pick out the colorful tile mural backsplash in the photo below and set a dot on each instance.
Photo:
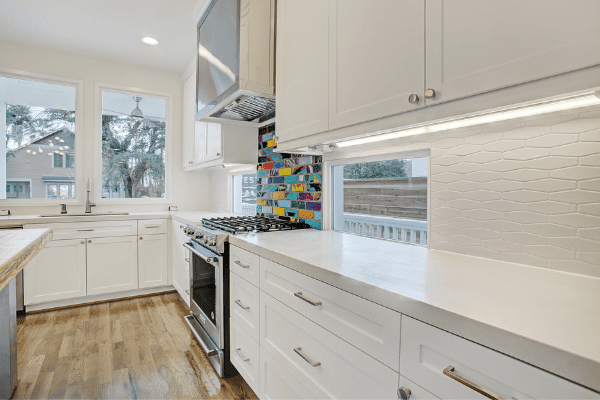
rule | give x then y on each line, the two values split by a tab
289	185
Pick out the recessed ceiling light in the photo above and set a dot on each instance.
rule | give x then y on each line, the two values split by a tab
149	41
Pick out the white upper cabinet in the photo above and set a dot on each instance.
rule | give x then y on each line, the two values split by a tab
189	100
301	68
376	59
479	46
213	142
348	67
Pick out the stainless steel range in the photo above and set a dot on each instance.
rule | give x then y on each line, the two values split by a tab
209	280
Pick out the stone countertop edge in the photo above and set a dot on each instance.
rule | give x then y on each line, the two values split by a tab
18	248
188	217
558	361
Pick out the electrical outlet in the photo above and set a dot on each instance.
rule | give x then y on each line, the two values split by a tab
5	212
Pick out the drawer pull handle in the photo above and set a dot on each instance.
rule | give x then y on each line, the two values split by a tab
241	305
153	226
312	303
85	230
242	265
187	260
239	353
449	371
312	364
188	292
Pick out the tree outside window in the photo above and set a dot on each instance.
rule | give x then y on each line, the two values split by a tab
133	146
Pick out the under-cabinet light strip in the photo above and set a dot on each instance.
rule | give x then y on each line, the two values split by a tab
591	99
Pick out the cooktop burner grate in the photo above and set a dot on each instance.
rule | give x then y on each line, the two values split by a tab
235	225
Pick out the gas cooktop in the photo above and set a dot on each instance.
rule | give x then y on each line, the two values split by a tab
244	224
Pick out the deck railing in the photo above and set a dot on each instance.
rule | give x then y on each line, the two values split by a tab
403	230
248	209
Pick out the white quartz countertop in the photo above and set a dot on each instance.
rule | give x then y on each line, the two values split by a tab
17	248
188	217
546	318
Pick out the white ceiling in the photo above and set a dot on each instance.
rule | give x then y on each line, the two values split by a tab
106	28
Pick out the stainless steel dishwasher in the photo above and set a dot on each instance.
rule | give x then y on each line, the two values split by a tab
18	278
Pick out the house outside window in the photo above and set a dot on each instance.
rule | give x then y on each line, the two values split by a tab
37	122
63	160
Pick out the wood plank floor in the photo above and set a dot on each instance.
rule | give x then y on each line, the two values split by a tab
136	349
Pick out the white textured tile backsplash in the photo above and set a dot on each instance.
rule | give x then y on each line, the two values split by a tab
528	194
525	191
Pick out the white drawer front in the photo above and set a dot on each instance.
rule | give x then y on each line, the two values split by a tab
244	353
245	264
372	328
244	305
427	351
84	230
276	383
299	344
416	391
152	226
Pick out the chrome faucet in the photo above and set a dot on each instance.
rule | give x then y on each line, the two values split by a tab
88	204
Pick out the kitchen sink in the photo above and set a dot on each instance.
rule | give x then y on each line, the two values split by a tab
82	215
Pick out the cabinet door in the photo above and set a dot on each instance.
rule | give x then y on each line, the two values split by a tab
276	383
213	141
180	264
376	59
199	145
478	46
57	272
152	260
301	68
112	264
189	123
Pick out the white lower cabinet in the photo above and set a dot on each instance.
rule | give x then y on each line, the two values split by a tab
325	365
112	264
245	355
180	262
368	326
276	383
414	392
152	261
244	300
449	367
57	272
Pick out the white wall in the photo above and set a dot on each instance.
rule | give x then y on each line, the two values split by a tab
525	192
220	184
189	189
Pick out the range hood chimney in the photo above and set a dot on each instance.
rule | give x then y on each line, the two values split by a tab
236	61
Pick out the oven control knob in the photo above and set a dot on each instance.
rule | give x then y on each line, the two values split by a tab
198	235
188	230
205	240
212	242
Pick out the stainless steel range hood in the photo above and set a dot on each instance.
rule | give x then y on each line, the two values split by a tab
236	61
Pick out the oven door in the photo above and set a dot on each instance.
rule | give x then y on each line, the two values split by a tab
206	290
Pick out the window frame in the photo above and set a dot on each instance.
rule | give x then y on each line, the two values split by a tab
97	181
328	197
79	121
233	188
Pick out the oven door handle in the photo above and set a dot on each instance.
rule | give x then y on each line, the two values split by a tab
209	260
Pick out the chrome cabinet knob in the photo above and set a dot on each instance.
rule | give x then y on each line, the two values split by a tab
429	94
413	98
404	393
